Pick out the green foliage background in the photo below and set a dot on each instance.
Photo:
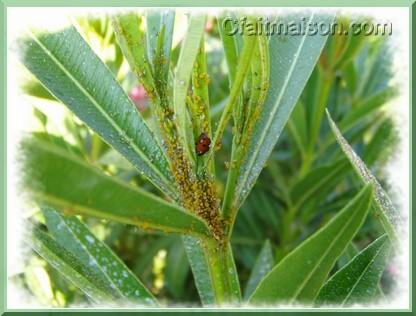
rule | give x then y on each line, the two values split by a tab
306	181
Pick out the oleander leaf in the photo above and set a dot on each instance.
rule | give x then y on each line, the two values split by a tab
187	56
300	275
56	177
132	42
357	282
83	277
74	236
367	106
66	65
385	210
230	44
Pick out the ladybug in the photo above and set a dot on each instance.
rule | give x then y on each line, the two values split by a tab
202	145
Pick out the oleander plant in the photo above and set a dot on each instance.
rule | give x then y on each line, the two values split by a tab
193	167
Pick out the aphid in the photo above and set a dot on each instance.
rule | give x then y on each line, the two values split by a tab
202	145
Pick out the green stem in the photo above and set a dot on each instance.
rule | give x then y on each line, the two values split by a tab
96	147
214	271
228	207
287	233
316	120
222	270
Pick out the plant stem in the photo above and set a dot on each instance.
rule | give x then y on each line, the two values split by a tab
315	125
287	233
222	271
214	270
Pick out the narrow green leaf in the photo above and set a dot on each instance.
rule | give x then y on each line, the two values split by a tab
159	37
263	265
357	282
199	105
69	266
243	68
361	111
292	60
38	279
153	23
300	275
132	41
43	119
70	70
229	44
54	176
317	114
74	236
375	70
385	211
189	51
200	97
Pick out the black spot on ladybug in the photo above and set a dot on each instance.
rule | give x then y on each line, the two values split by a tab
202	145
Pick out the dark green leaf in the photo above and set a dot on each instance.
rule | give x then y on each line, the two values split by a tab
68	67
357	282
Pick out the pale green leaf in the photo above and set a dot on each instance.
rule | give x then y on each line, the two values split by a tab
230	44
385	210
55	176
189	51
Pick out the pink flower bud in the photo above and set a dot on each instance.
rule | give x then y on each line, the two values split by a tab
139	97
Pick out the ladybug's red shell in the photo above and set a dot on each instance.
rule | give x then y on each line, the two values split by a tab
203	143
